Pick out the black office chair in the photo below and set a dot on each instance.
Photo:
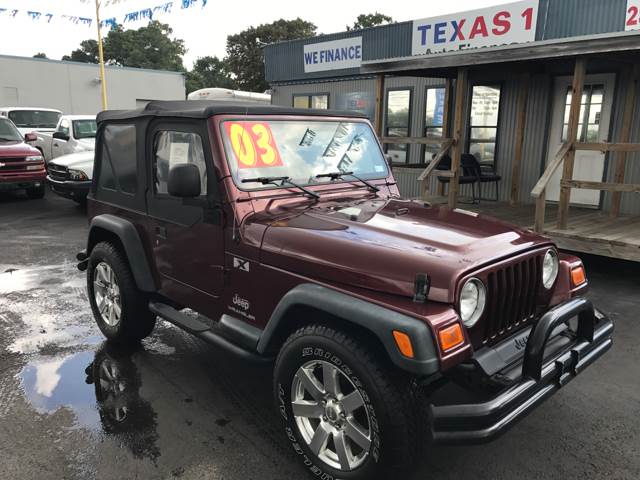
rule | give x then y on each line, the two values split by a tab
470	173
488	175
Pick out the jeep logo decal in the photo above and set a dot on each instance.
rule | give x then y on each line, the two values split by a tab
241	302
521	343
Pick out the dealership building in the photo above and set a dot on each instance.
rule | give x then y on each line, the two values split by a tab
74	88
533	103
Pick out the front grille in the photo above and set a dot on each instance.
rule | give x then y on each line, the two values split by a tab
57	172
11	159
512	292
8	164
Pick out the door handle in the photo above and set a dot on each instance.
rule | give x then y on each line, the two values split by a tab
161	232
55	144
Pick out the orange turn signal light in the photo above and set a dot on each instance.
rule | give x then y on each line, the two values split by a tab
404	343
578	277
450	337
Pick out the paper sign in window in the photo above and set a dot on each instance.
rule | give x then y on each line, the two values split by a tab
178	153
253	144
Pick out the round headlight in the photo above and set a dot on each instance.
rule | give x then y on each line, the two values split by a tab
549	269
473	297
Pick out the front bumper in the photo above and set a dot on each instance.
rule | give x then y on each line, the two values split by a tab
74	190
540	378
21	180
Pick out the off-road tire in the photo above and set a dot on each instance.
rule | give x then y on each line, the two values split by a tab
35	192
389	396
136	321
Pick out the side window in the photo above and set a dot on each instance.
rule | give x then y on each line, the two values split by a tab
319	101
64	127
172	148
118	169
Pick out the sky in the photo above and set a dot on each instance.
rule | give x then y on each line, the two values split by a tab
204	29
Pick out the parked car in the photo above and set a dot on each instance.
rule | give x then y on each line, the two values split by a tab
70	175
30	119
73	133
21	165
390	322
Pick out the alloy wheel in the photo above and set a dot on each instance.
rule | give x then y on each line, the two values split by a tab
106	293
331	415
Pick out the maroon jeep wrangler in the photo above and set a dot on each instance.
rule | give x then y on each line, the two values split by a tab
279	235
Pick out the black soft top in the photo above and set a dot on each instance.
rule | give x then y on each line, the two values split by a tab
206	108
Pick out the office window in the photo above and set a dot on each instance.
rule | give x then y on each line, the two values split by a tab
398	120
319	101
590	110
483	123
433	119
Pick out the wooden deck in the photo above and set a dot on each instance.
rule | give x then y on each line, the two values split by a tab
588	230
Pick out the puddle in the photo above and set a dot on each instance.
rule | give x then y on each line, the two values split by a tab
102	389
44	309
51	384
15	279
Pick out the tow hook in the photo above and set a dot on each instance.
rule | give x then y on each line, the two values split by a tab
83	260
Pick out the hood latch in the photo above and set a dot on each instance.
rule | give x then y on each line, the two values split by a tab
422	285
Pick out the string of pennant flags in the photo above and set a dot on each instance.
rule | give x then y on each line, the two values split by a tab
148	13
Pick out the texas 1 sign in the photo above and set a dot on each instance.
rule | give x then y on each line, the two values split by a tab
499	25
632	19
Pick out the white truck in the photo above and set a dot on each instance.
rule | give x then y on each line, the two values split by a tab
73	133
70	175
32	119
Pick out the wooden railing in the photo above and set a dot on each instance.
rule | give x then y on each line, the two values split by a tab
539	191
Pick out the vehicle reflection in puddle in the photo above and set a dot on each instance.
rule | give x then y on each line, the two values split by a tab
102	390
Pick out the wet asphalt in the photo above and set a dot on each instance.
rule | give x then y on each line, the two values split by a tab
74	407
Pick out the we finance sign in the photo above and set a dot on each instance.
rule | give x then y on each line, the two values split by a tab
486	27
334	55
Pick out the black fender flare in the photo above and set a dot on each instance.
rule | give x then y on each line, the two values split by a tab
378	320
128	235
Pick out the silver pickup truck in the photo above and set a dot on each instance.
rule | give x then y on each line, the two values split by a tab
74	133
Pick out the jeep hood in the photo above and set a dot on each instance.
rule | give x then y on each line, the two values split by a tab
382	244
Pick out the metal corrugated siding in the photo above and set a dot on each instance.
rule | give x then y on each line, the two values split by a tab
387	41
283	95
569	18
630	201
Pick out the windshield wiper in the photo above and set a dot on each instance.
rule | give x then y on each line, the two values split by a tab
5	139
283	181
339	175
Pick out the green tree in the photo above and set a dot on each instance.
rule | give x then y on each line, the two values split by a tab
87	53
40	55
245	57
209	72
367	20
147	47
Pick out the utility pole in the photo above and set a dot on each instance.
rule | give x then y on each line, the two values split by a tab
103	81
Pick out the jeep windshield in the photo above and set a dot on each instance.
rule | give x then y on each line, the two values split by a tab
300	150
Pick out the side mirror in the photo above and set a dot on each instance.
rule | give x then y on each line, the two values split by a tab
389	160
61	136
30	137
184	181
